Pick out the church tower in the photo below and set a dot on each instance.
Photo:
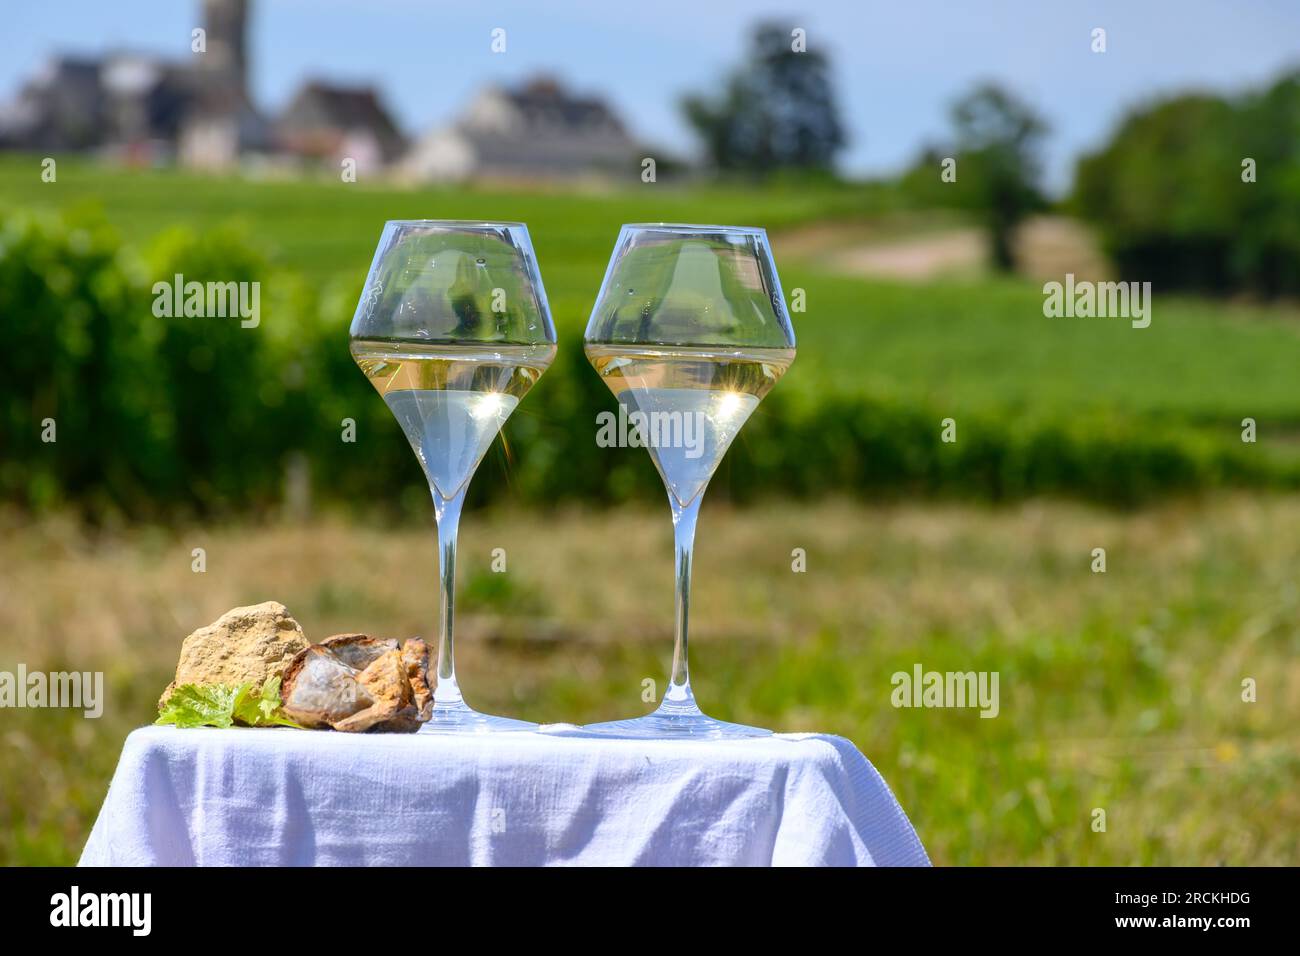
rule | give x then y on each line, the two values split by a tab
226	22
222	125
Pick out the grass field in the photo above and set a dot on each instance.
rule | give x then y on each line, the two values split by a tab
1119	691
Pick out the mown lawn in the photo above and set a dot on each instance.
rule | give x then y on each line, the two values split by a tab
1119	691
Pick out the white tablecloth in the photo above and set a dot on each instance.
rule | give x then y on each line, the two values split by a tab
286	797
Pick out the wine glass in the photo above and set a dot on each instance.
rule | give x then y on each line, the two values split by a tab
453	329
689	332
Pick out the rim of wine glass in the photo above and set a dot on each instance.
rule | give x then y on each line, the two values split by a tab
454	222
697	227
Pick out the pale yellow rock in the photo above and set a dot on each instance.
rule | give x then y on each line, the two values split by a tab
244	644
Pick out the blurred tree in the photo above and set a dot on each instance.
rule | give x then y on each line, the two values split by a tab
1266	251
777	111
998	145
1153	193
1201	192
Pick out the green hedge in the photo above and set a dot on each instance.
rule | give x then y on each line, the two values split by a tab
167	417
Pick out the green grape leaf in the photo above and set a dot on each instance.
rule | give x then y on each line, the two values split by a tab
262	709
225	705
201	705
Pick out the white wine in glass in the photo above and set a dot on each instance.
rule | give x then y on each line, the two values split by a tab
453	329
690	332
706	389
451	401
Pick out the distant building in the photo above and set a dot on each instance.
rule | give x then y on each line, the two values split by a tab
538	130
61	107
199	112
145	101
143	107
331	123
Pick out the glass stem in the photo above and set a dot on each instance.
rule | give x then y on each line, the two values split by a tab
447	512
679	686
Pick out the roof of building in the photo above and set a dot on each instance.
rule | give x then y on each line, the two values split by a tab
544	100
323	111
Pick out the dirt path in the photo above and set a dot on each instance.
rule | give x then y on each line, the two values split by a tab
1047	247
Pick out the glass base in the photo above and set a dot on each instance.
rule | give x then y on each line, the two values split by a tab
459	718
674	721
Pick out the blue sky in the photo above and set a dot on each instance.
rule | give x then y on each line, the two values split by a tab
898	65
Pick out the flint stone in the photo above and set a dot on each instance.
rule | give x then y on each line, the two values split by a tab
358	650
406	721
319	689
416	656
384	682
